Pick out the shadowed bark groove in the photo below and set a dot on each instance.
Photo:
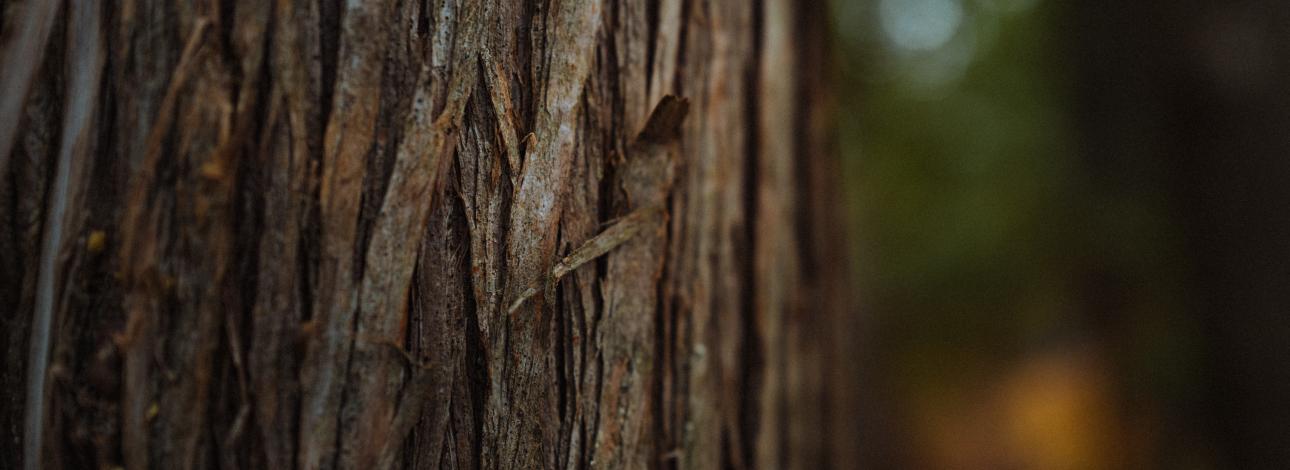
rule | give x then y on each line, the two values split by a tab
419	234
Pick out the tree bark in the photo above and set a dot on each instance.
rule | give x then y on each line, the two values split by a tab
420	234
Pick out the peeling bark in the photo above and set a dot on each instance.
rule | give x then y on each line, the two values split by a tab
419	234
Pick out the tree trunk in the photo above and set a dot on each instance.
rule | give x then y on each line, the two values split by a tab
421	234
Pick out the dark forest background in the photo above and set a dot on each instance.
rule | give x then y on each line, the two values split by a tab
1072	230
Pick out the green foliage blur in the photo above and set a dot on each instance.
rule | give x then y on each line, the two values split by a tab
1022	307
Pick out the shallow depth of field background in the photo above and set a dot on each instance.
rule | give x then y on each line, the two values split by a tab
1022	299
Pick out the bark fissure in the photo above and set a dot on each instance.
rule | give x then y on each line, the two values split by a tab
754	370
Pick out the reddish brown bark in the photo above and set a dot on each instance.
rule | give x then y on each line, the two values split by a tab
424	234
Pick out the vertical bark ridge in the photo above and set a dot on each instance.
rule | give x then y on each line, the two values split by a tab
85	59
23	188
626	333
289	154
347	145
774	247
421	157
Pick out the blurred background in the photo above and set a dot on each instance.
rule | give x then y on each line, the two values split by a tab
1073	225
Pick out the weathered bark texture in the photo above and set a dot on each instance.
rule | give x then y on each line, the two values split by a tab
419	234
